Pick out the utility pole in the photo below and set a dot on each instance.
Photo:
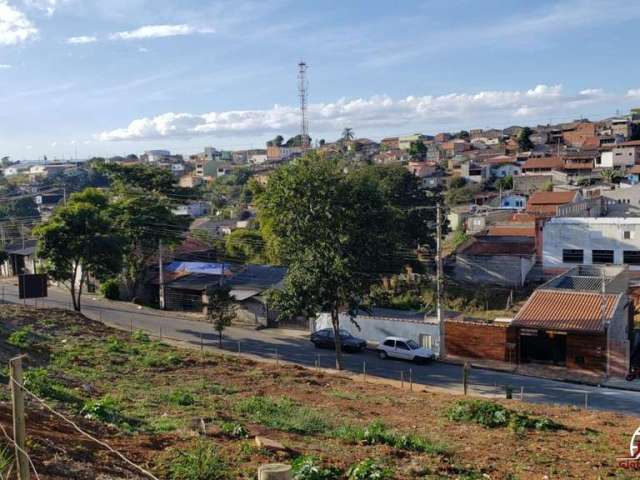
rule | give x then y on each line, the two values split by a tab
160	276
439	276
19	429
302	93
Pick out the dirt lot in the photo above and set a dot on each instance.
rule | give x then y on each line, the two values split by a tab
151	401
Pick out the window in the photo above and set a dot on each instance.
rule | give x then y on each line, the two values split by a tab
572	256
631	257
602	256
413	345
627	235
389	343
401	346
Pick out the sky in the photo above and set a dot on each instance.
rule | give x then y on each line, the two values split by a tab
110	77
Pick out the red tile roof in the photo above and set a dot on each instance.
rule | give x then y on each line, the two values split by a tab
515	246
566	311
551	198
513	230
544	162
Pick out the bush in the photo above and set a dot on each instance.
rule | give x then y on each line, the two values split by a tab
23	337
141	336
368	470
181	398
105	410
110	289
282	414
160	360
116	346
201	462
39	382
493	415
378	433
234	429
306	468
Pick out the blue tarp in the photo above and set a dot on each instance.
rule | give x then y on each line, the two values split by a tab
198	267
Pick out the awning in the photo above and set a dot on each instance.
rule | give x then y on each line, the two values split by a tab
240	295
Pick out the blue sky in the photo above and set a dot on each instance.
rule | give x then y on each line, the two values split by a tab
116	76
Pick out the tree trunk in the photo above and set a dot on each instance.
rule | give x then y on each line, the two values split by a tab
335	321
72	287
80	286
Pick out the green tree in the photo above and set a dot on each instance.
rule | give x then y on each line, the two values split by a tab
20	207
504	183
418	150
142	220
610	175
245	245
524	142
335	232
80	240
276	142
139	176
220	309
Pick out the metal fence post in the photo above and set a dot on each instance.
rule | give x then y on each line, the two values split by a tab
465	377
411	380
364	371
19	427
402	379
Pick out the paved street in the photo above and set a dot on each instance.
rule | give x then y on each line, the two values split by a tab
296	348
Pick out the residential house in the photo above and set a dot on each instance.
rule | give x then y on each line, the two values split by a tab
568	242
405	141
48	170
621	155
621	126
633	175
21	258
421	169
46	202
192	209
249	288
475	173
623	200
391	142
577	133
495	260
503	166
538	165
15	169
548	203
528	184
511	200
441	137
579	320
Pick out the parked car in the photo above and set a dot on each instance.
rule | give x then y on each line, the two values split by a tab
405	349
325	339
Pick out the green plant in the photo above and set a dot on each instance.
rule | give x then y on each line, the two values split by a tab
234	429
110	289
306	468
160	360
181	398
115	345
6	462
282	414
493	415
201	462
23	337
40	382
141	336
368	470
104	409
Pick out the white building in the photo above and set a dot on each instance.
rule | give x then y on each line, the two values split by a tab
569	241
156	156
622	155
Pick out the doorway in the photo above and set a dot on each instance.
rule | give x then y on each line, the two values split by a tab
544	347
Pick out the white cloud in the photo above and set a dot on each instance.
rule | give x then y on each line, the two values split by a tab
5	66
15	27
378	111
159	31
143	50
633	93
48	6
82	39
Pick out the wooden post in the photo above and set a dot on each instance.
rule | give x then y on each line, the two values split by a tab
465	377
19	428
201	345
364	371
238	346
277	357
274	471
410	380
586	400
521	393
402	379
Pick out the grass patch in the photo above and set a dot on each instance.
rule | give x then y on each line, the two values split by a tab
39	381
108	410
282	414
201	462
181	398
307	468
369	469
234	430
493	415
377	433
22	338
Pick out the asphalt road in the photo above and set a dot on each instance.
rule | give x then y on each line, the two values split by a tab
294	347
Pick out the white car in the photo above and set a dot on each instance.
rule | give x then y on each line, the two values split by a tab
405	349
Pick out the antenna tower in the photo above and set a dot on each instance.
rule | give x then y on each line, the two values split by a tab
302	93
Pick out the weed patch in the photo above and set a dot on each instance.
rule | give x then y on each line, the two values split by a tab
22	338
107	410
307	468
493	415
282	414
40	382
181	398
201	462
369	470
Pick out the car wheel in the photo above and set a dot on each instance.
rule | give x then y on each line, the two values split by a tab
420	360
382	354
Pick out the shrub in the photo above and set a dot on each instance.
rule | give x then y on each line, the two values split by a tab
282	414
39	382
201	462
378	433
110	289
115	345
306	468
233	429
368	470
23	337
141	336
181	398
493	415
105	410
159	360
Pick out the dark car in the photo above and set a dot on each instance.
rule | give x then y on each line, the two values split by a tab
325	339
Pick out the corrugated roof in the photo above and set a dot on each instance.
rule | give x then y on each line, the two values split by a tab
513	230
551	198
566	311
496	245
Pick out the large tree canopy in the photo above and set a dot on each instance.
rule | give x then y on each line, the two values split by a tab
335	231
139	176
80	240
